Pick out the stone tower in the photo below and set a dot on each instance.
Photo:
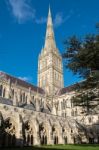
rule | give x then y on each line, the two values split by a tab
50	69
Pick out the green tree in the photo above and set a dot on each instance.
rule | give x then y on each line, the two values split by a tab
82	57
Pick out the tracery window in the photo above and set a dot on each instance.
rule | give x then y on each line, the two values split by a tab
54	135
8	134
42	134
28	134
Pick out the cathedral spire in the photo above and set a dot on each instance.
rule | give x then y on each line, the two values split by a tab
50	73
49	40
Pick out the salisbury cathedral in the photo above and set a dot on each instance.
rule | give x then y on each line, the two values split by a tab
44	114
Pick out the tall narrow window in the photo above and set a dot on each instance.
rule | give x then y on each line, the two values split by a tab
12	93
4	92
1	90
20	97
23	97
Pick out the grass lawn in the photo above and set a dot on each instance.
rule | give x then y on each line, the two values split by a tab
73	147
58	147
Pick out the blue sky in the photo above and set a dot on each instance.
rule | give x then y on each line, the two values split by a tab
23	26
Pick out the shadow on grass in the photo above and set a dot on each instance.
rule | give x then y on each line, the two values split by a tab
61	147
51	147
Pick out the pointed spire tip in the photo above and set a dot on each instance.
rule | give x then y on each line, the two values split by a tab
49	10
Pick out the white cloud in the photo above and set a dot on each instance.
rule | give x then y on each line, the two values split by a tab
60	19
22	10
28	79
41	20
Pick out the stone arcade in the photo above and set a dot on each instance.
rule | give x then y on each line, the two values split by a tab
44	114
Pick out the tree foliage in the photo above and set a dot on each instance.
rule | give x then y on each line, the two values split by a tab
82	58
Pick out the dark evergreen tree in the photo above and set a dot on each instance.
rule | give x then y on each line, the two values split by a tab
82	58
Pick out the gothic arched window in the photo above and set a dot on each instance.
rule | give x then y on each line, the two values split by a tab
23	97
1	90
12	93
26	99
20	97
4	92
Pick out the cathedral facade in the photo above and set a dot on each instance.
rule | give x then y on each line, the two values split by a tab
44	114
